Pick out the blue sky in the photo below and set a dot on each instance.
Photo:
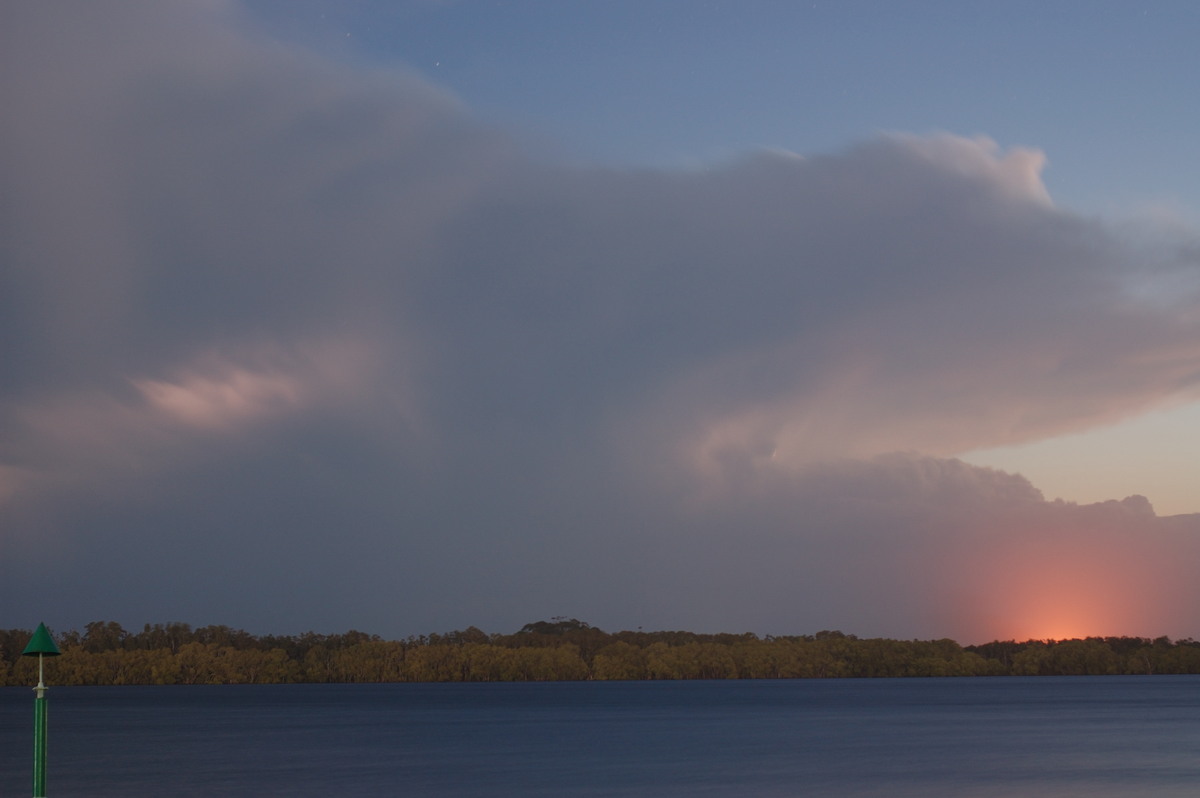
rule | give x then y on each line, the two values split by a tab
767	317
1101	87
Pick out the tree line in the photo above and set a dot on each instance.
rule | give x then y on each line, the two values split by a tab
105	653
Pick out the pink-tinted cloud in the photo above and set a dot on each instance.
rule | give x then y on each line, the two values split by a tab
218	403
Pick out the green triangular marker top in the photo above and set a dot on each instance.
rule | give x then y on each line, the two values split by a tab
41	643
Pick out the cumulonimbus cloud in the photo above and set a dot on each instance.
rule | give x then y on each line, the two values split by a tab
474	358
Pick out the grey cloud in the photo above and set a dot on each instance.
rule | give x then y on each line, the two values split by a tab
289	343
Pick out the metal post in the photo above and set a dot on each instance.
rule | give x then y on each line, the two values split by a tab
39	736
43	645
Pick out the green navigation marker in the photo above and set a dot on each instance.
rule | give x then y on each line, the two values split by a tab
40	645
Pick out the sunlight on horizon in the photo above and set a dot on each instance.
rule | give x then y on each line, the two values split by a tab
1047	586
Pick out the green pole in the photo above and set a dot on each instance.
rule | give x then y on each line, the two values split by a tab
39	736
41	644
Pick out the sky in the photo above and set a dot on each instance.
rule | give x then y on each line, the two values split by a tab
409	316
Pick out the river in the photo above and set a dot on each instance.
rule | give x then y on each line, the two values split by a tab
1027	737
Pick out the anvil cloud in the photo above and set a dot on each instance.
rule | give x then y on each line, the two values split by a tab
290	343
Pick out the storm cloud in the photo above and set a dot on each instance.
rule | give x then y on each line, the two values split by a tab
288	343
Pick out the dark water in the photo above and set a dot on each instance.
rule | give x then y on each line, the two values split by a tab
1096	737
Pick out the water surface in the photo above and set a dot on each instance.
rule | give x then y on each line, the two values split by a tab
1073	736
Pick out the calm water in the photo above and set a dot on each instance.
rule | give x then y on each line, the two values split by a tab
1096	737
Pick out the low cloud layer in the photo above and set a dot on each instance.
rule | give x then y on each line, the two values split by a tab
291	344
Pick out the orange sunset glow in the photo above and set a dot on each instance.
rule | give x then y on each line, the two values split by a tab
1075	584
